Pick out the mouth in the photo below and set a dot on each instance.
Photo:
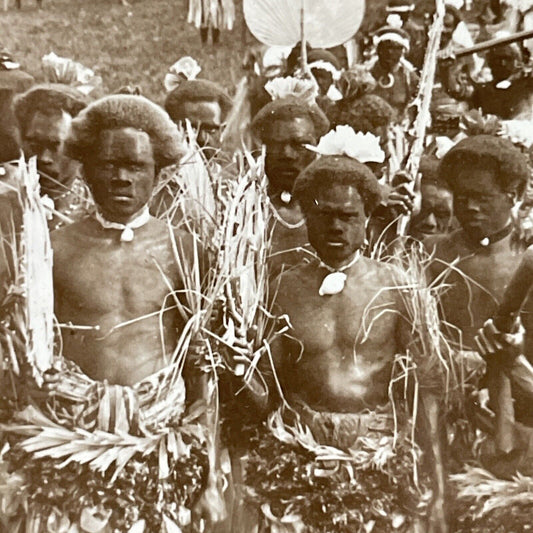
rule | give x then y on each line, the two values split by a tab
121	197
336	243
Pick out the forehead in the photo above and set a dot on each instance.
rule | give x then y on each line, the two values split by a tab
49	125
285	129
207	112
432	192
469	178
339	197
123	143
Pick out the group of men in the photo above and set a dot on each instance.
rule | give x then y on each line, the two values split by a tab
115	262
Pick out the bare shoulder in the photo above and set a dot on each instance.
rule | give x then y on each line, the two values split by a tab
69	235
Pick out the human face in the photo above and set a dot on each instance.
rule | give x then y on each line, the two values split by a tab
121	174
206	119
286	154
45	137
336	223
435	214
480	205
449	26
389	54
323	78
502	66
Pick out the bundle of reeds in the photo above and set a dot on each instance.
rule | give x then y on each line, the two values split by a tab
112	436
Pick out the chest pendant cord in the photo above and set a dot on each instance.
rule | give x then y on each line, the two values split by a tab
335	281
127	234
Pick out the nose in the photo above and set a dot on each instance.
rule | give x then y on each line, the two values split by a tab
122	177
289	152
472	204
430	221
46	156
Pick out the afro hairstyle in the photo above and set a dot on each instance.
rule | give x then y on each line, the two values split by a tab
49	99
319	54
507	161
366	114
331	170
429	169
196	91
288	108
125	111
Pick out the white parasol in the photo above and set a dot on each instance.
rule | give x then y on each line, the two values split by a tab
326	23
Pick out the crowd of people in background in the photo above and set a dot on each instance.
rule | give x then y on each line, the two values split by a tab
334	131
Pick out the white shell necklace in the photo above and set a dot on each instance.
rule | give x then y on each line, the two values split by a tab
335	281
127	234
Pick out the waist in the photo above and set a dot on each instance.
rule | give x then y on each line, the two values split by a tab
342	430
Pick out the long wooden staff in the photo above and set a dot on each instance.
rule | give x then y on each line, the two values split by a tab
422	103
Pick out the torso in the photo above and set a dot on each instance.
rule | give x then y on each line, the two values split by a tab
347	357
100	281
477	284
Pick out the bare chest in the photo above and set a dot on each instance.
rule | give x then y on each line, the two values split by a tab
133	278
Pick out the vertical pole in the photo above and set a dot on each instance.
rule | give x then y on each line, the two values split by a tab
303	52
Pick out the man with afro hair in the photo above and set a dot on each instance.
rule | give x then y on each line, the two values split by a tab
346	315
285	127
487	176
206	105
44	114
114	269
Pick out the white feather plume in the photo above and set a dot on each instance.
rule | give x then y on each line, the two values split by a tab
343	140
185	68
305	89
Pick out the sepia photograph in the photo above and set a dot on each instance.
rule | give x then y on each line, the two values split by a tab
266	266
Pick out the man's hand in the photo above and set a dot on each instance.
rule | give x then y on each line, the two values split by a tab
490	340
399	198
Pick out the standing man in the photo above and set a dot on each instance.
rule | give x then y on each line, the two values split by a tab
206	105
397	81
336	364
486	175
285	126
114	270
44	114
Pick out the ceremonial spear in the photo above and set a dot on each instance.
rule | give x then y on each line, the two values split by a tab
422	104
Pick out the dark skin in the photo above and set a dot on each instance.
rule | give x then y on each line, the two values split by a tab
97	277
44	137
436	212
389	54
206	118
286	154
482	208
286	157
331	366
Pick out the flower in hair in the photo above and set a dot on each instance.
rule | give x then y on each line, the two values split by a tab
344	141
304	89
186	68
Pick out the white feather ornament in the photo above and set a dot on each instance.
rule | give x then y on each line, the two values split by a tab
343	140
184	68
327	23
304	89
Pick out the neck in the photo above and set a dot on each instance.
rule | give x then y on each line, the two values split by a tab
59	191
117	219
344	264
488	239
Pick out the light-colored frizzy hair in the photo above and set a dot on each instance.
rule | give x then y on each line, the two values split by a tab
125	111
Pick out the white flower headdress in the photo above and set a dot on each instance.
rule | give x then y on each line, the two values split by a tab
343	140
304	89
185	68
64	70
